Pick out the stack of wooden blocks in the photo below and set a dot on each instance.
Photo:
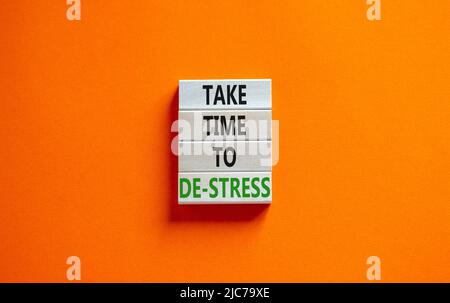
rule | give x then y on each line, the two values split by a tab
225	141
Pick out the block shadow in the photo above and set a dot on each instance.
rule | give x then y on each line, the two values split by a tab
200	213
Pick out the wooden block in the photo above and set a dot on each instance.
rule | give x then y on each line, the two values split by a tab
211	156
225	125
225	188
225	94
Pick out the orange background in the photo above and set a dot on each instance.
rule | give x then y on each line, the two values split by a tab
85	162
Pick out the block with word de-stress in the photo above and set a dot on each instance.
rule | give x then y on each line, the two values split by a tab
225	188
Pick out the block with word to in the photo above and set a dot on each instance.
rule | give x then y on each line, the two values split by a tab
222	125
225	94
225	188
210	156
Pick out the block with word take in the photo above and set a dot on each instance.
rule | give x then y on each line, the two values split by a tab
225	94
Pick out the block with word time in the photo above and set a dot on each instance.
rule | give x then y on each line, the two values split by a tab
223	125
225	141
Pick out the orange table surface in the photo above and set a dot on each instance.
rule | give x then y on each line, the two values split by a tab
85	162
